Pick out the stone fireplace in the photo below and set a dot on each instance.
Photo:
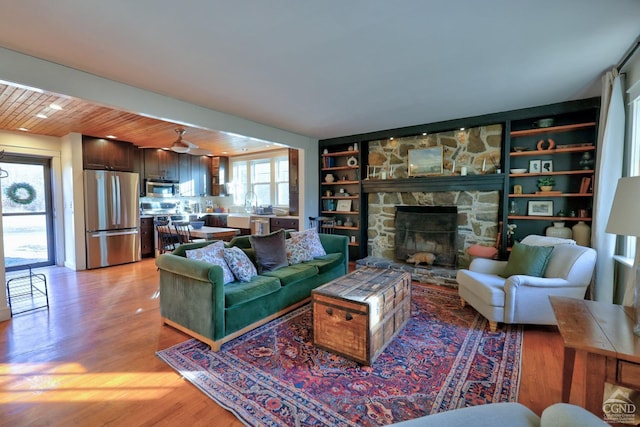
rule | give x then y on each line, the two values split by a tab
475	196
476	222
426	235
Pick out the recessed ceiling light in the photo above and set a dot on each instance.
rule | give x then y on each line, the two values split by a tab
23	129
111	136
42	116
55	107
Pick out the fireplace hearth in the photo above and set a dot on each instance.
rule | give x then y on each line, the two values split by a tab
426	235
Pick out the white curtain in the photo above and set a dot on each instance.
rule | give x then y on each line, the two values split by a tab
609	161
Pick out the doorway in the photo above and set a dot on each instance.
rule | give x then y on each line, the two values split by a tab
27	217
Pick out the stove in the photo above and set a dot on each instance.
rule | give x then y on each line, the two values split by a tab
163	211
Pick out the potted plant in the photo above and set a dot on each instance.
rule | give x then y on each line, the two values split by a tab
546	183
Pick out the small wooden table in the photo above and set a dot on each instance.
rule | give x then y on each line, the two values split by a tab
211	233
358	314
604	332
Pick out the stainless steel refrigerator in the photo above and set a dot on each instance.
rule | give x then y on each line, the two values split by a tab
112	215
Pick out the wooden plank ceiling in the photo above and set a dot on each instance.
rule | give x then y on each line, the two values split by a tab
20	107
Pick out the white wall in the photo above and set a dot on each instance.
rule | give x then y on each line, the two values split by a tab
33	72
73	200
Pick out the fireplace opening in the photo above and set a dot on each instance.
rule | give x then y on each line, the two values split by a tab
426	235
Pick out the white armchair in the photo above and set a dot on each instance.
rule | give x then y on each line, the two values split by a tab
525	299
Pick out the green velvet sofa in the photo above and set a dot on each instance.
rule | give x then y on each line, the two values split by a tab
194	299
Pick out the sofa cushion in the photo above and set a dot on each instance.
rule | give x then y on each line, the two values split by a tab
327	262
271	253
240	264
241	292
297	252
213	254
311	240
293	273
527	260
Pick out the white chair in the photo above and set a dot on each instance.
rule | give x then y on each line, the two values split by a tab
525	299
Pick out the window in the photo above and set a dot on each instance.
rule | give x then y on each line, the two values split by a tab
634	161
263	179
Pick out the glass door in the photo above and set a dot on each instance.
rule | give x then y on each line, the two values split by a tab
27	218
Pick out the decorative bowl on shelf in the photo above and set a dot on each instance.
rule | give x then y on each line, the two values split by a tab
518	170
196	225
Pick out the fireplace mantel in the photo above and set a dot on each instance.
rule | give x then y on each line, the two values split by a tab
488	182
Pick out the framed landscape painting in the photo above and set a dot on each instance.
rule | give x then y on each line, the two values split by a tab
540	208
425	161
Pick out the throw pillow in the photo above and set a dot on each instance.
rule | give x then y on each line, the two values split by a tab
310	239
297	252
212	254
527	260
240	264
271	252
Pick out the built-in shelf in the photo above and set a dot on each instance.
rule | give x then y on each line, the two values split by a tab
546	195
341	153
552	129
571	172
550	218
340	182
580	149
340	197
342	212
340	168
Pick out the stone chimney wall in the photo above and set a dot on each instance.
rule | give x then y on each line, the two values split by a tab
477	210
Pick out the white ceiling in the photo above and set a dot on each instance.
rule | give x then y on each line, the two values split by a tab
335	67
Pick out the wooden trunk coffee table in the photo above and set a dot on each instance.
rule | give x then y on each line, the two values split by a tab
357	315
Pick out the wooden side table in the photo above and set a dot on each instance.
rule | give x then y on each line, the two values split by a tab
604	332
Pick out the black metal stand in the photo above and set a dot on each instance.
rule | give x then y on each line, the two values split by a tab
27	293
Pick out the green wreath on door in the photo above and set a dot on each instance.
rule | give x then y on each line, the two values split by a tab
21	193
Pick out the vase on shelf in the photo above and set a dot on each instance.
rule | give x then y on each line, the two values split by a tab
513	208
582	234
559	230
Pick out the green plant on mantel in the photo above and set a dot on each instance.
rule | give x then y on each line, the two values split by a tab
546	181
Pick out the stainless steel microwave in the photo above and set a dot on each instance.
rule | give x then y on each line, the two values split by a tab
162	188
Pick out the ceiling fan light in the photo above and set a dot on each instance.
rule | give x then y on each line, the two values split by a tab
180	147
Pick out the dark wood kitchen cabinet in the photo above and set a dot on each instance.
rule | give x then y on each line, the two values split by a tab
146	237
219	175
107	154
276	224
201	175
161	164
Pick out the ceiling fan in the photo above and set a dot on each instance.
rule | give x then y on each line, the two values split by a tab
180	145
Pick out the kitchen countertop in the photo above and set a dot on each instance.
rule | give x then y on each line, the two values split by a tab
249	215
200	215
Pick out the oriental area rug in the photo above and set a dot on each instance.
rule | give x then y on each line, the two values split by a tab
444	358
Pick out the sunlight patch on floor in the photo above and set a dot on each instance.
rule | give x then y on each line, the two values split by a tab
70	382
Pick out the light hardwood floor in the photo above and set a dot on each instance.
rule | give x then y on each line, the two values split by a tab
90	359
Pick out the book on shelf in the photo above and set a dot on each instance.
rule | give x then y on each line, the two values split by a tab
585	185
